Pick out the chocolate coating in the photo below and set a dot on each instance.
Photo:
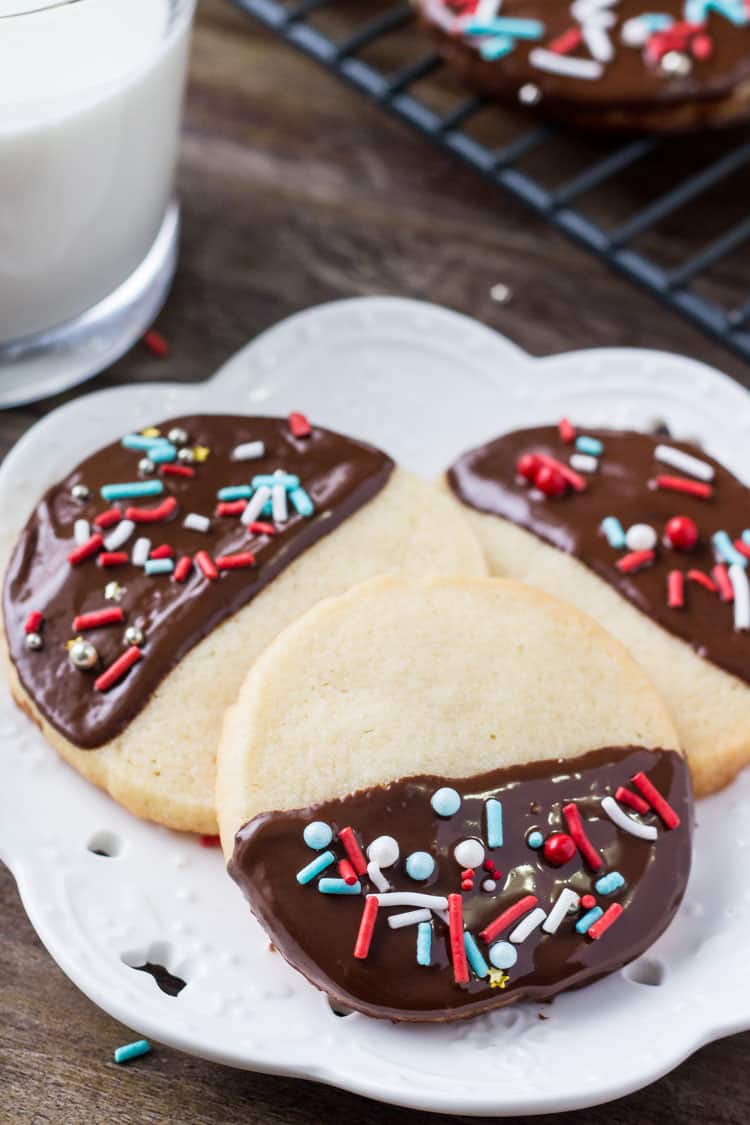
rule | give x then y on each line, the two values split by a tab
339	474
485	479
316	932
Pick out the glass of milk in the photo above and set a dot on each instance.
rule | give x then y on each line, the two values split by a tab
90	106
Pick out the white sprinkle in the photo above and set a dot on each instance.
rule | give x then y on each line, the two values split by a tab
488	885
499	292
585	10
486	10
141	551
469	853
584	462
81	532
408	918
384	851
640	537
566	65
255	505
598	42
410	898
279	501
195	522
377	877
684	461
622	820
249	451
565	900
120	535
529	94
527	925
741	587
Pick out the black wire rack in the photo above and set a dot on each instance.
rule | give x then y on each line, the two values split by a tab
651	207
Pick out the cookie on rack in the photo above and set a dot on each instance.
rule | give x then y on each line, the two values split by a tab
441	796
604	64
146	582
649	535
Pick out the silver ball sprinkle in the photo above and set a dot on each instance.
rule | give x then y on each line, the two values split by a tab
134	636
529	94
83	655
177	436
676	63
146	466
80	492
33	642
186	456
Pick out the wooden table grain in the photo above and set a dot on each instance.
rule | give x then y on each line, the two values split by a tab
295	192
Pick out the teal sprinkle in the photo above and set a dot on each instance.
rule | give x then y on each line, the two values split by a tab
497	47
586	922
590	445
268	480
158	566
535	839
141	444
235	492
608	884
339	887
161	454
474	957
315	867
302	503
505	26
132	1050
494	823
746	536
614	532
726	549
424	943
131	490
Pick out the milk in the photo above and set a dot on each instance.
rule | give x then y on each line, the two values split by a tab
90	102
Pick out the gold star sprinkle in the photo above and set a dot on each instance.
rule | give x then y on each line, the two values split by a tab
113	591
201	452
75	641
498	979
151	431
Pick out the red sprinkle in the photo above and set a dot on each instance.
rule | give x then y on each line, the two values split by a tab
112	558
575	828
257	527
230	508
152	515
661	807
467	884
702	47
675	589
347	872
721	578
681	533
632	800
163	551
98	618
458	949
574	479
702	579
559	848
182	569
549	481
86	550
587	901
156	344
177	470
743	548
235	562
608	918
209	841
299	425
508	917
527	465
690	487
108	518
636	560
353	850
206	565
34	622
563	45
118	669
366	928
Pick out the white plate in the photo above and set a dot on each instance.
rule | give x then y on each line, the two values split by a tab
423	383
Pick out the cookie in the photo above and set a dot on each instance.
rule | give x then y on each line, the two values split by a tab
426	790
147	581
651	540
604	64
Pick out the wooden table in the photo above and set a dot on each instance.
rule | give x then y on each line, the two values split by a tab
295	192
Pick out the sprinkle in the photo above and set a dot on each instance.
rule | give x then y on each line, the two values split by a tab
565	65
575	480
588	902
118	669
206	565
108	518
169	470
158	566
86	550
508	917
119	535
235	492
113	591
634	561
632	800
566	429
151	432
419	866
479	966
257	527
701	579
182	569
131	489
743	548
583	463
625	822
676	459
489	885
535	839
588	919
280	510
527	926
589	445
609	883
721	578
659	804
424	943
317	834
338	887
230	508
640	537
384	851
81	531
410	898
445	801
691	487
33	622
248	451
502	955
576	830
235	562
353	850
347	872
494	812
161	454
156	344
256	505
301	503
741	590
564	901
611	915
299	425
201	453
614	532
269	480
675	589
366	928
195	522
163	551
132	1050
97	619
144	442
559	849
152	515
141	551
376	877
315	867
456	932
726	550
409	918
563	45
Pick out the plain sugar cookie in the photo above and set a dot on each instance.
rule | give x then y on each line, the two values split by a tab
440	796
